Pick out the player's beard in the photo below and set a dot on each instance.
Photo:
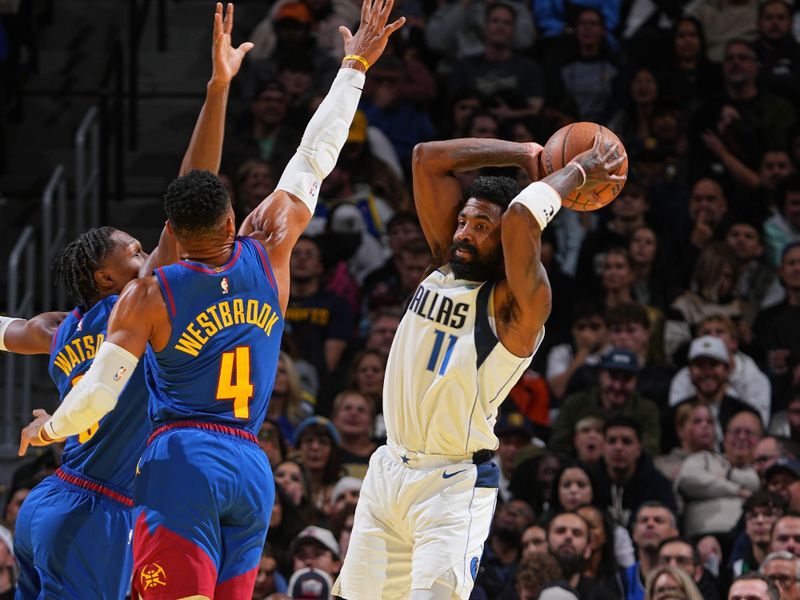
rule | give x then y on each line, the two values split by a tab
480	268
570	564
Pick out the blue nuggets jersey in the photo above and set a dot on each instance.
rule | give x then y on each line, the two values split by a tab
109	450
220	362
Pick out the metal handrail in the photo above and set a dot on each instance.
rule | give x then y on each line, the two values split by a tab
87	171
54	234
19	404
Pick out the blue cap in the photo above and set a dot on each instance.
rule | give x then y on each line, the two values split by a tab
513	423
315	420
619	359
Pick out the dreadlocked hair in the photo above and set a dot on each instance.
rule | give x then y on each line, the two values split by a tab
196	202
80	259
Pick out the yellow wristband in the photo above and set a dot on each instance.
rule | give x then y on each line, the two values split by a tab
41	436
360	59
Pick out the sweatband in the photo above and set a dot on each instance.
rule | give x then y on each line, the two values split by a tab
542	200
323	139
4	323
95	394
582	170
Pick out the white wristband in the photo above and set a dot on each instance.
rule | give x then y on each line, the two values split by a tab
541	200
4	323
582	170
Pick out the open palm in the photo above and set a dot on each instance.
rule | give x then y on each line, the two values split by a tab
225	57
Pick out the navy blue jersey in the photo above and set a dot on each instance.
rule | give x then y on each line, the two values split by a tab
219	364
108	451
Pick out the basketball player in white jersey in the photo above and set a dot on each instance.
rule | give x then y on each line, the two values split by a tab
468	334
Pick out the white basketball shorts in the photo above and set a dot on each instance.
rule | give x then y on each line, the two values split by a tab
416	520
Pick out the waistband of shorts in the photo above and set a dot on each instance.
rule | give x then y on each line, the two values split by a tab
416	460
205	426
80	481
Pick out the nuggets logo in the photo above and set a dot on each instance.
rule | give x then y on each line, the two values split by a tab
152	575
224	285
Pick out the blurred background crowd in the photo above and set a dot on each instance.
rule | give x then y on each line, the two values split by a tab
652	450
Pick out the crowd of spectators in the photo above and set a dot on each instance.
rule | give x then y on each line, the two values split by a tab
652	450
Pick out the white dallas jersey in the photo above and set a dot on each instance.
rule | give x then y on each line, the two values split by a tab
447	372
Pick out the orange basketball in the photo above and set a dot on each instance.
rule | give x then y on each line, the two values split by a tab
563	146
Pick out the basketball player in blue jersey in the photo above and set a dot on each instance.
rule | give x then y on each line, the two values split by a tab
73	534
469	332
211	328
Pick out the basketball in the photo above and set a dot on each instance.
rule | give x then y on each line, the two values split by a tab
564	145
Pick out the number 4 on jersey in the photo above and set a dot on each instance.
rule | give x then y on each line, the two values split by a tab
238	388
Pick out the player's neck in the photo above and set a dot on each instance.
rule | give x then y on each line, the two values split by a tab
213	254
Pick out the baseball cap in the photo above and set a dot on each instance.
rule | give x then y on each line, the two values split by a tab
708	346
315	420
297	11
320	535
619	359
513	423
787	465
347	219
358	129
345	484
558	591
310	584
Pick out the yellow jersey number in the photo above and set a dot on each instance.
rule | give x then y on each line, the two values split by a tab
237	388
85	436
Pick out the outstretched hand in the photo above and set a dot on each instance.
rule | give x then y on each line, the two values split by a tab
370	39
225	58
601	162
30	435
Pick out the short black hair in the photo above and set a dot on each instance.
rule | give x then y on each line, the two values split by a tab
765	499
498	190
78	261
626	313
623	421
402	217
196	203
773	593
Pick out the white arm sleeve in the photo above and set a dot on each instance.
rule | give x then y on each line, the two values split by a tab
95	394
4	323
323	138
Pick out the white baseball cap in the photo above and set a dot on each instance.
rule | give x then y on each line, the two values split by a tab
318	534
708	346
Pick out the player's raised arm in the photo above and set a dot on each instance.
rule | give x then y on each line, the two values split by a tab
281	218
29	336
437	193
205	147
527	290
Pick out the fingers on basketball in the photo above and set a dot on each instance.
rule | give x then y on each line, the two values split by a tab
566	143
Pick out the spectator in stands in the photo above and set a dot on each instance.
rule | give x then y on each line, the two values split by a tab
318	442
777	51
272	441
534	479
753	585
708	210
514	432
534	540
582	86
321	322
614	395
503	548
777	329
711	293
382	330
287	404
670	582
255	180
628	212
653	523
366	376
783	570
714	485
770	448
285	523
612	548
344	499
8	566
691	78
588	439
534	571
315	547
709	373
757	285
695	427
409	264
679	553
787	422
746	381
783	478
14	499
401	229
511	84
589	342
783	227
293	477
724	21
353	415
652	282
634	123
785	534
269	580
626	477
616	279
761	510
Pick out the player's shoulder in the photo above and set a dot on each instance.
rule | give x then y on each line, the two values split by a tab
142	291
